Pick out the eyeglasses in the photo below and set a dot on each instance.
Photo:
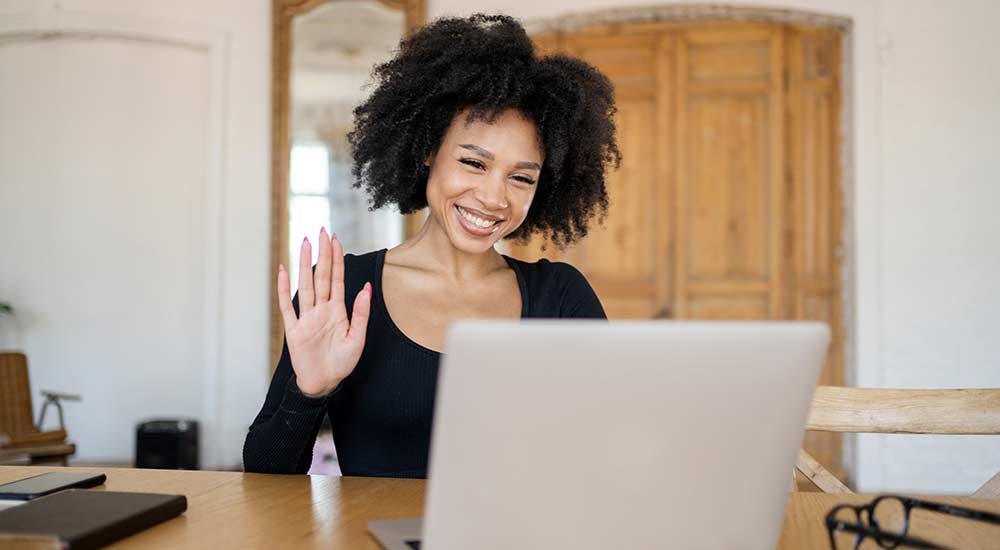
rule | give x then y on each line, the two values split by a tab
886	520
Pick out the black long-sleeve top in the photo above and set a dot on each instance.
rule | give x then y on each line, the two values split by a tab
381	413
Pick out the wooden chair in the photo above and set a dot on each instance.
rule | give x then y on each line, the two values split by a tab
864	410
16	420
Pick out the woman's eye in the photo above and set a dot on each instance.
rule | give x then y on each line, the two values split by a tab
474	163
478	165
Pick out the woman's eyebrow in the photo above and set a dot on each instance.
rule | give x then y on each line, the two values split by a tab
483	152
478	150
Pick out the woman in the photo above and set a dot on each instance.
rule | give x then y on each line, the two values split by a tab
498	143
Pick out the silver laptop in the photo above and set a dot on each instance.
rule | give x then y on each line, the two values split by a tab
594	435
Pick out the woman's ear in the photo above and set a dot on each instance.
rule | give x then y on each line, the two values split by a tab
430	159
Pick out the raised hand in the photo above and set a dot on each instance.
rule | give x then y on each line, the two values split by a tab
323	344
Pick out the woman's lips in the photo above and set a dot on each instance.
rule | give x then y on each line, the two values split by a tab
473	228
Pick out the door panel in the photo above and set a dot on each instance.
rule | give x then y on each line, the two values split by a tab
729	182
727	211
717	307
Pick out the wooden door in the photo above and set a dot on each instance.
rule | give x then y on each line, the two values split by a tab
726	205
729	174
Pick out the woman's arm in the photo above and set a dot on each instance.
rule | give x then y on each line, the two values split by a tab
281	438
326	345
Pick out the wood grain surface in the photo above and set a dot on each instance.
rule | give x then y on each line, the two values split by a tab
237	510
894	411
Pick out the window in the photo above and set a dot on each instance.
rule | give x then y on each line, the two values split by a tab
321	195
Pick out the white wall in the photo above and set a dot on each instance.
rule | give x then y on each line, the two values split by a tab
134	212
925	185
939	280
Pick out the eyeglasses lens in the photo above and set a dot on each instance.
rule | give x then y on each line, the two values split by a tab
889	516
846	539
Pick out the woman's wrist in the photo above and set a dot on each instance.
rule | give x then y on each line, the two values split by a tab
315	391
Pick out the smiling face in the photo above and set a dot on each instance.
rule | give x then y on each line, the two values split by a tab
483	178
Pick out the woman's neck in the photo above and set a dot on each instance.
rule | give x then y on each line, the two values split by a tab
431	250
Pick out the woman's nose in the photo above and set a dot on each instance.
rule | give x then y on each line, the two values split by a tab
493	194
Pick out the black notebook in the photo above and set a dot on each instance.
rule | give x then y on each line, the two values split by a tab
85	519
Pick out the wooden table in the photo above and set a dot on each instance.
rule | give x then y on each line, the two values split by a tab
237	510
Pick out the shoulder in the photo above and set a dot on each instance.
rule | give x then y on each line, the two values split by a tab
547	274
361	262
358	270
368	258
559	289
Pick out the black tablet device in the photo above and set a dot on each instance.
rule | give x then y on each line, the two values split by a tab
84	520
33	487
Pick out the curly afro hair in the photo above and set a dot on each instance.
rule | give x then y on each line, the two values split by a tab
487	64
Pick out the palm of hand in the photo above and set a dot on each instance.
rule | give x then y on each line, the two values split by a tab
324	345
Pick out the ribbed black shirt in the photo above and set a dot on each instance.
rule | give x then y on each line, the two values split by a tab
381	413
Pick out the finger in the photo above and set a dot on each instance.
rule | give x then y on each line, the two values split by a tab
322	278
359	319
285	299
337	285
306	298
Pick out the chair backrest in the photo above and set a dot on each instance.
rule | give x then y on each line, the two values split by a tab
892	411
868	410
15	395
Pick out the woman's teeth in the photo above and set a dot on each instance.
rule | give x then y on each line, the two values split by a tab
477	221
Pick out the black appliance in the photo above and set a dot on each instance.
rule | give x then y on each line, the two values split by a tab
167	444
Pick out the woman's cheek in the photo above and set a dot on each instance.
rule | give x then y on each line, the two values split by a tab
527	205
